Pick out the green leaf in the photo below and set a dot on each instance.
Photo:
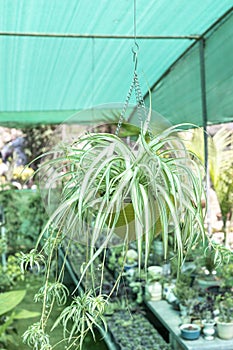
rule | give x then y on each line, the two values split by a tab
23	314
10	300
6	324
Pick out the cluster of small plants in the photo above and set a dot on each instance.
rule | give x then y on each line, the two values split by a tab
126	322
133	331
206	304
11	275
77	257
25	217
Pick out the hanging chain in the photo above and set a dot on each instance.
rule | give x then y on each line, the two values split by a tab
138	94
141	108
132	86
121	118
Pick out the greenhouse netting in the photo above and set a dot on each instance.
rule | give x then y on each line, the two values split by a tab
58	58
178	94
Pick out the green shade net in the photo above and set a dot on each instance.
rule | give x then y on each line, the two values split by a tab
178	94
49	79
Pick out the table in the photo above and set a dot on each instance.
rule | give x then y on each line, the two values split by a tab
170	319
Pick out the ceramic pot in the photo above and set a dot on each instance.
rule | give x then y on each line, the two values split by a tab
168	293
153	291
204	283
190	331
208	329
155	271
225	330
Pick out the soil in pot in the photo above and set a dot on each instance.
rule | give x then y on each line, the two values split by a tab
190	331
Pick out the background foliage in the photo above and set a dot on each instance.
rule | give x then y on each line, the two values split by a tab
25	217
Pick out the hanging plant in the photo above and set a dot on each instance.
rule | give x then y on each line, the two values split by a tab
109	189
106	189
109	185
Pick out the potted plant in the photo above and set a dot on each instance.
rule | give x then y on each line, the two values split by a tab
224	320
153	286
106	173
135	331
131	260
98	179
226	276
190	331
206	265
208	323
187	296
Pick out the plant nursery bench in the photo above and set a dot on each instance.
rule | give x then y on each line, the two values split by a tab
169	318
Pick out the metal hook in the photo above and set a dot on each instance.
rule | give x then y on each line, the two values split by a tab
135	50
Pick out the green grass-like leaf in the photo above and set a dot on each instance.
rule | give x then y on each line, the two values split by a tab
103	171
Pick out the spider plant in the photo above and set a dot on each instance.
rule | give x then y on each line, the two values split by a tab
85	313
99	179
159	179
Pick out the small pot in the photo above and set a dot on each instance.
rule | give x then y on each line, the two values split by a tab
130	268
155	271
225	330
153	291
208	329
190	331
204	283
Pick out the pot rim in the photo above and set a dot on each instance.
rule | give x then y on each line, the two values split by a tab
185	326
212	322
223	322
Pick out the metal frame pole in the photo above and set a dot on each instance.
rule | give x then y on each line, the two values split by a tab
3	237
99	36
203	99
205	134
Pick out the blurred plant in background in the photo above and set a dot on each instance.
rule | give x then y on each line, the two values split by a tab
25	217
22	173
39	140
220	163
